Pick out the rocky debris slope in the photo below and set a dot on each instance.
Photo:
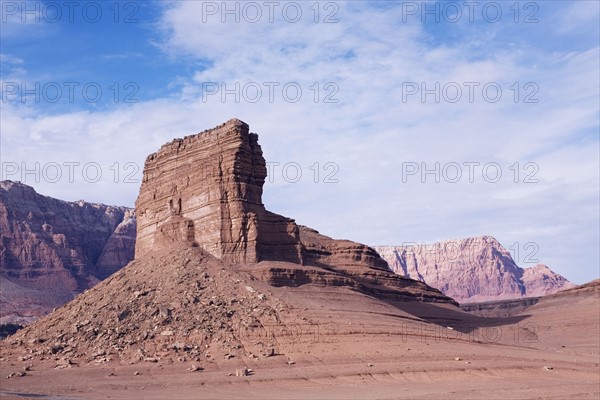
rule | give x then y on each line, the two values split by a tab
52	249
206	255
472	270
178	306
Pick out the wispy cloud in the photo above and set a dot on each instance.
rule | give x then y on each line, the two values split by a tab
122	56
8	59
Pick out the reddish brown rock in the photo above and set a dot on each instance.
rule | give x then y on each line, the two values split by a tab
507	308
207	189
51	249
204	190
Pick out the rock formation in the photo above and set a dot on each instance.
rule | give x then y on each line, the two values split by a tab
207	189
472	270
208	256
500	308
51	249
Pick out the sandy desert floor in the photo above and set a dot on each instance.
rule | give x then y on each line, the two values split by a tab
339	344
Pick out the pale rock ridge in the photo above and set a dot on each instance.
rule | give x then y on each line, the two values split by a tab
471	269
542	281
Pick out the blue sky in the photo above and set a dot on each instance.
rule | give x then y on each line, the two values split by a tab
362	120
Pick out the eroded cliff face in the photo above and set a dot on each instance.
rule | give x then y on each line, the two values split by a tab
52	249
119	248
472	269
207	189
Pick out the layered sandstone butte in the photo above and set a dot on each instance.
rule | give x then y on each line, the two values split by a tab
52	249
207	189
472	270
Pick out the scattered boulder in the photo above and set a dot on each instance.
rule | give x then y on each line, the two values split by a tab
243	372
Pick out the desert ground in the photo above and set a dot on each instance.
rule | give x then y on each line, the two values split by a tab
340	344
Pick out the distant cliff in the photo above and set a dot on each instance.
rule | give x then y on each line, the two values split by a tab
51	249
472	270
